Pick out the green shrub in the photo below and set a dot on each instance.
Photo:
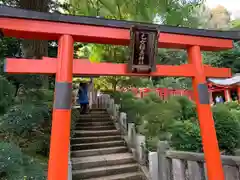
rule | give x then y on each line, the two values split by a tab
151	143
130	105
37	96
38	144
227	127
158	121
22	119
33	169
175	107
158	118
14	165
188	108
236	113
10	160
152	97
233	105
116	95
186	136
124	99
7	92
28	125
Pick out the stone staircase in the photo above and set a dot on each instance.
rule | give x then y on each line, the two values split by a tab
99	153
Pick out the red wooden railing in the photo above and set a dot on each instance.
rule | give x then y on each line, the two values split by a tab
163	93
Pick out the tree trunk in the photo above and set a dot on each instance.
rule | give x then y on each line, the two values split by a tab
114	83
35	48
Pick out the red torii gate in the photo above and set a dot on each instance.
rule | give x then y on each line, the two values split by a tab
68	29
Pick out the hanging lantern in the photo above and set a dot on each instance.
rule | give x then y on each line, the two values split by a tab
143	49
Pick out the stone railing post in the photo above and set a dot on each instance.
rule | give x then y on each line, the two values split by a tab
153	165
122	123
140	146
131	135
163	163
111	107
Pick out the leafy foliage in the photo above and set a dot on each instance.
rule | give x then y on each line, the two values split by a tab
15	165
171	12
227	127
22	119
235	24
233	105
188	108
10	160
229	59
6	94
26	126
186	136
25	121
176	121
9	47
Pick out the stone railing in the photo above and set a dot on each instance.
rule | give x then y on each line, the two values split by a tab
178	165
134	141
165	164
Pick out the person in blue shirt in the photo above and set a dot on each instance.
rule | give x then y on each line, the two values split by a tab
83	96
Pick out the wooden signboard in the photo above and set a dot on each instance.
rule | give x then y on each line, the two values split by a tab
143	49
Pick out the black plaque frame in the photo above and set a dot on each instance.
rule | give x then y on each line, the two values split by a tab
150	53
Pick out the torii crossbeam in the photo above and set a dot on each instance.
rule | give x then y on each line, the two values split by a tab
67	29
84	67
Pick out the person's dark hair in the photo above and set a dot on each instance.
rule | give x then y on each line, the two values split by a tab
82	84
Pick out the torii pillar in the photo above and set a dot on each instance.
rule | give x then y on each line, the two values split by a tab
61	117
206	122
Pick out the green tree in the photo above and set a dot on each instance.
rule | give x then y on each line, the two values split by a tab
216	18
170	12
235	24
220	18
228	59
34	48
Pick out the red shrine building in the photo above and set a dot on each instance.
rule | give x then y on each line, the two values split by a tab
227	88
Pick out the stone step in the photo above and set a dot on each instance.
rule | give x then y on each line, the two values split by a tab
87	123
105	171
102	151
96	119
99	152
108	127
125	176
90	115
85	133
95	139
97	145
101	160
98	110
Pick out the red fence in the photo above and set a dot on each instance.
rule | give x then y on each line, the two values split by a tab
163	93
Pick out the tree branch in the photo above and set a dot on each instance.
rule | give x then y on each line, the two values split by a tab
119	11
